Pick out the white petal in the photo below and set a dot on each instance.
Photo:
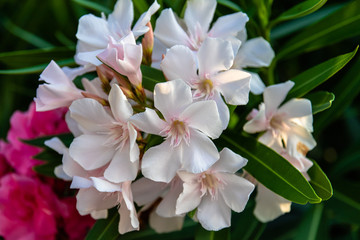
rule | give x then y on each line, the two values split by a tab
189	199
53	74
80	182
89	57
172	97
120	107
274	95
72	73
214	55
229	162
236	192
223	110
133	148
257	86
298	135
161	162
89	200
234	85
255	52
203	116
159	50
93	31
258	123
200	154
90	115
89	151
121	18
140	27
167	206
228	25
56	144
179	63
59	172
296	108
72	125
168	30
199	13
121	169
146	191
101	214
269	205
213	214
164	225
103	185
94	86
148	122
127	224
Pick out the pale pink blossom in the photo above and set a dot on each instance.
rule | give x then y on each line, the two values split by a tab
124	57
94	32
187	126
195	27
28	209
215	192
213	76
253	53
98	194
108	137
163	218
289	124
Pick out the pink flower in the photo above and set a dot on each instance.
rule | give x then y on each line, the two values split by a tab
30	125
28	209
4	165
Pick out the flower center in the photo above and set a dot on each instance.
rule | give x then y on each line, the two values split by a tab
177	131
209	183
302	148
204	89
278	123
118	135
206	86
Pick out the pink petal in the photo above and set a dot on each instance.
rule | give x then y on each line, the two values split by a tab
274	95
120	107
148	122
229	162
199	13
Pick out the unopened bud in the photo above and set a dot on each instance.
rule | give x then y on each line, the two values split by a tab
105	75
147	45
101	100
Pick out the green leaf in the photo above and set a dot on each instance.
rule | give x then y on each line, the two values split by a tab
39	142
300	10
105	229
25	35
36	68
340	25
141	5
309	226
320	182
314	76
51	160
270	169
343	208
345	91
151	76
229	4
287	28
202	234
93	6
35	56
320	100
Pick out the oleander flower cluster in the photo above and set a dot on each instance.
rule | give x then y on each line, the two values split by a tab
146	147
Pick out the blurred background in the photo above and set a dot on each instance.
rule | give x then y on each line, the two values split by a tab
34	32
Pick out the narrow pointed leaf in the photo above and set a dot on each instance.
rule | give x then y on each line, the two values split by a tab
302	9
311	78
320	182
93	6
36	68
270	169
309	226
230	4
340	25
320	100
151	77
345	91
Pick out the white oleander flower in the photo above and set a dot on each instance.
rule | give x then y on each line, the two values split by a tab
215	192
213	76
187	126
108	137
